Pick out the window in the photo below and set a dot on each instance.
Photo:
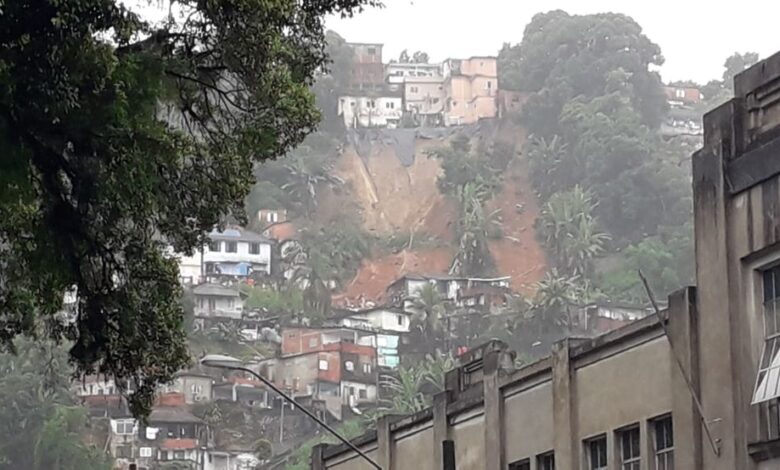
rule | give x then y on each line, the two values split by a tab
768	380
212	304
629	449
363	393
454	104
196	389
323	364
545	461
596	450
413	89
178	455
124	452
352	391
231	247
215	245
679	93
313	342
254	248
366	368
524	464
349	365
124	427
371	51
663	443
145	452
489	85
400	319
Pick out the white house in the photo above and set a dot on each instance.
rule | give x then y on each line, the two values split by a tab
234	252
451	288
217	301
398	72
366	111
379	318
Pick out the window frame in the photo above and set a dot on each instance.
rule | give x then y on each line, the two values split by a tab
522	464
665	454
231	246
629	457
545	461
254	248
588	444
215	246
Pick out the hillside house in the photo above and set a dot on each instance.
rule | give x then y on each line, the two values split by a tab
389	324
368	72
397	73
250	392
424	99
682	96
194	386
234	254
173	434
215	301
383	110
470	90
267	217
462	291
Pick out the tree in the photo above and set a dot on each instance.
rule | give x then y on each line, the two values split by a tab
40	427
735	64
570	231
420	57
429	307
403	57
563	56
405	394
122	138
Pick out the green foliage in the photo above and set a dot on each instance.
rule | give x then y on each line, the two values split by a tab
564	56
336	249
404	391
735	64
40	428
666	260
287	300
300	460
569	231
114	149
474	228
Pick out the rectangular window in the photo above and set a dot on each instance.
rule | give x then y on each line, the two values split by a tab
212	304
215	245
371	51
145	452
366	368
313	342
663	443
524	464
178	455
124	452
254	248
363	393
231	247
231	303
768	381
629	449
596	450
323	364
400	319
125	427
545	461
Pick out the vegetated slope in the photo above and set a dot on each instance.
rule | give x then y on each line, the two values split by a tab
398	196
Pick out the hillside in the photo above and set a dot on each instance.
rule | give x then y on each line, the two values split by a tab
392	181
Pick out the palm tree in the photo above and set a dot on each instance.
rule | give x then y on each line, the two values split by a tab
405	392
570	230
474	228
434	368
306	169
428	305
556	295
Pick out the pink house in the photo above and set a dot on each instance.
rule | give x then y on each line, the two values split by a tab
471	90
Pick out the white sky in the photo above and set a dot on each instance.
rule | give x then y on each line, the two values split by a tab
695	36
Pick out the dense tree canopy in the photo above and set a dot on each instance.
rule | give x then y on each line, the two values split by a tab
122	137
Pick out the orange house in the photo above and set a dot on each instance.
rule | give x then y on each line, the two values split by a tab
471	90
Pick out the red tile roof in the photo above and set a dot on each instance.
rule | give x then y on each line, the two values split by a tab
179	444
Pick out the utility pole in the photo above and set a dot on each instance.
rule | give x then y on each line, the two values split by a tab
281	422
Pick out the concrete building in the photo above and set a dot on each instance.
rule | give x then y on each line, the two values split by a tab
462	291
424	98
389	326
194	386
215	301
382	110
235	253
695	387
397	72
471	90
368	72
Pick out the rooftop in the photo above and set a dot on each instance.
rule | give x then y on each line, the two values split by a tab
215	289
172	414
238	233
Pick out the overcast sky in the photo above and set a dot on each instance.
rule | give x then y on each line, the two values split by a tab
695	36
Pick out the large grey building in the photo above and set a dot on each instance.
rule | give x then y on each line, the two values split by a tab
694	388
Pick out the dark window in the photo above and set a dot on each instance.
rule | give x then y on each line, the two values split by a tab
178	455
629	449
231	247
362	393
524	464
254	248
215	245
597	453
371	50
400	319
124	452
768	380
545	461
663	443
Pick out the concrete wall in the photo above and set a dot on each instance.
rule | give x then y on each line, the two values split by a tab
528	421
412	448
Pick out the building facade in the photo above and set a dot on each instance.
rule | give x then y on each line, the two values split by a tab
471	90
368	72
694	387
371	111
235	253
215	301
